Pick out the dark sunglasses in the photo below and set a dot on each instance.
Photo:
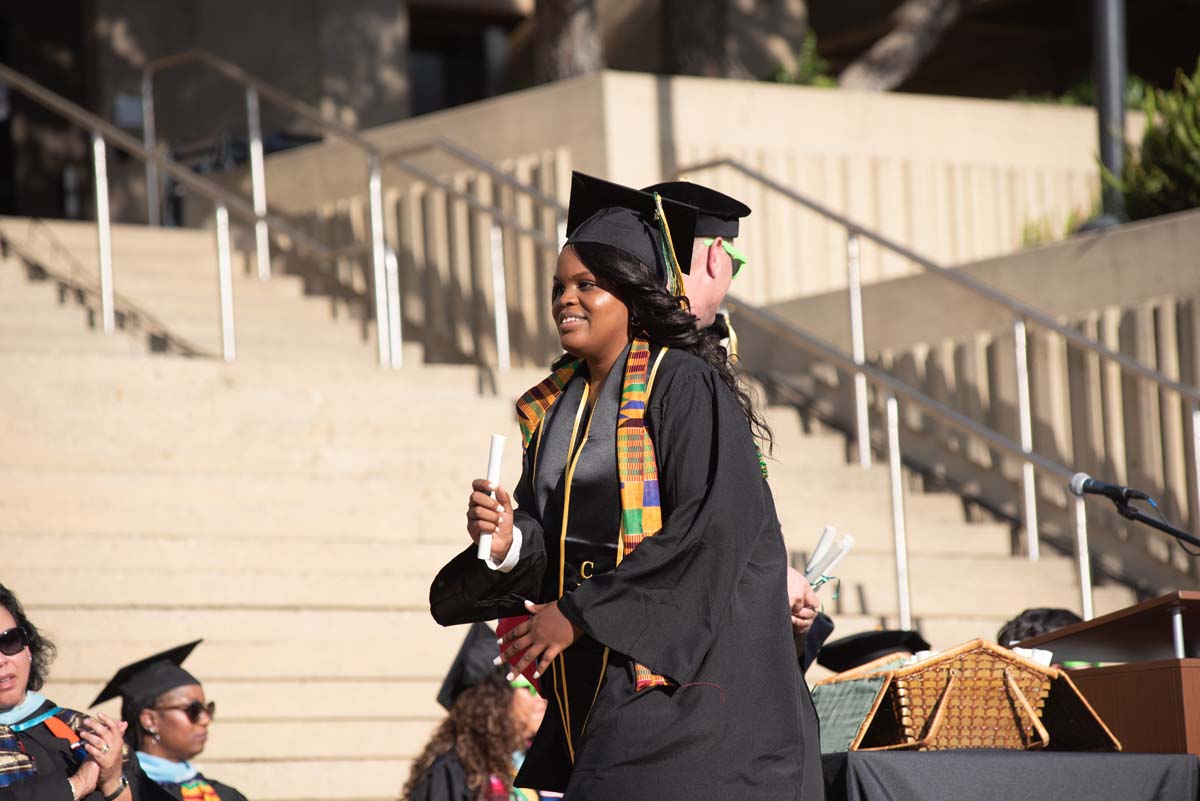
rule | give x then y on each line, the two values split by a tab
193	710
13	641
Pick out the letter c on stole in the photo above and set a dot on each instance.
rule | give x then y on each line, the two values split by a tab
587	570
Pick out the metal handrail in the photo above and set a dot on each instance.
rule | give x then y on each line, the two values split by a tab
478	162
1022	313
387	306
104	133
962	279
896	389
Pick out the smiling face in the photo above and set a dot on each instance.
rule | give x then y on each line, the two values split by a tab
14	670
593	323
179	739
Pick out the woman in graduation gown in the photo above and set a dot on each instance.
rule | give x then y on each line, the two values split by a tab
168	718
643	540
474	753
48	753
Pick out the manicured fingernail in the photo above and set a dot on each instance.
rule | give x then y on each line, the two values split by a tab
537	674
491	486
528	603
497	661
509	677
500	642
499	508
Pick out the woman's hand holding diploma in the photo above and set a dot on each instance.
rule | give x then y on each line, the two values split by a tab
544	636
488	515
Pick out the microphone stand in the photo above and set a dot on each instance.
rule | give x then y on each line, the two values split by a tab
1130	512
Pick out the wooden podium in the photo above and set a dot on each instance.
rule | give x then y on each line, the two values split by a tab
1151	699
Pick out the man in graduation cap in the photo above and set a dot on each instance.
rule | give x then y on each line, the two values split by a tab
715	261
168	717
656	570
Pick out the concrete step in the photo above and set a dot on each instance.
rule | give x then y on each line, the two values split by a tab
397	575
177	377
296	644
276	700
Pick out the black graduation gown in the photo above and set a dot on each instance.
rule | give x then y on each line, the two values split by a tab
704	602
146	789
444	781
55	762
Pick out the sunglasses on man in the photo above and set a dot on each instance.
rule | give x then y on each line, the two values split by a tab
13	641
193	710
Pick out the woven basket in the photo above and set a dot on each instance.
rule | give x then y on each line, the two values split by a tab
976	695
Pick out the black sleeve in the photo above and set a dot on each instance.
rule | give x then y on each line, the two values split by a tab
467	591
46	786
809	646
664	604
444	781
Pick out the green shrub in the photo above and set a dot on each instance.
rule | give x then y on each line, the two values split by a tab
1162	175
811	69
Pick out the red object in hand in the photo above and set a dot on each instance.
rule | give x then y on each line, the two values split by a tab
504	626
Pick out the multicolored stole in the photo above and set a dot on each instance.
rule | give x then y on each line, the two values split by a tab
15	764
198	790
637	469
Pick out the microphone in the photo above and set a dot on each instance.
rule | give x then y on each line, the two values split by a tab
1082	483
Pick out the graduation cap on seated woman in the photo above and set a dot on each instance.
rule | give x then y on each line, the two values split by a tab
476	660
653	229
139	684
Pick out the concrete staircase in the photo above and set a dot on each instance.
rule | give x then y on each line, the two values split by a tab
291	509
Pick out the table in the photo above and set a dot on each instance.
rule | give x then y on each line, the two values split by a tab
1009	776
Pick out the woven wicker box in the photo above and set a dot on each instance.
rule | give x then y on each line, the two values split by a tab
977	695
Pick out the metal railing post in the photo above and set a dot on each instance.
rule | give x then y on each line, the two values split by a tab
1025	414
1083	560
395	343
225	281
149	140
500	301
103	233
1195	462
858	349
258	184
899	528
375	198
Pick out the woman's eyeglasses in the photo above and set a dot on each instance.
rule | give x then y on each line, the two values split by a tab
522	683
13	641
193	710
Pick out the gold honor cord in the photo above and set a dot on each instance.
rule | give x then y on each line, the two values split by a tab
675	283
560	670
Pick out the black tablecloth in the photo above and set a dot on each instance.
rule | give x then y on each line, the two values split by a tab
1010	776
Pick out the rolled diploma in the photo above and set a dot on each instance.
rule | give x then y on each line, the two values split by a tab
827	562
827	538
493	477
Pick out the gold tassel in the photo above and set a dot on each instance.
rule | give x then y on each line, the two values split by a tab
674	274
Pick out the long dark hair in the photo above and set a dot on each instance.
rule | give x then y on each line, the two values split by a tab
655	315
41	650
481	733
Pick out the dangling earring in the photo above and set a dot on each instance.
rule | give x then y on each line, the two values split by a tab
155	735
634	322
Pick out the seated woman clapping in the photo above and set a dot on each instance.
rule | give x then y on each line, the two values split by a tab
48	753
168	717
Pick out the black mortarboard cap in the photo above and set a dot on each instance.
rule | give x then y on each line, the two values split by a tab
142	682
718	213
605	213
859	649
475	660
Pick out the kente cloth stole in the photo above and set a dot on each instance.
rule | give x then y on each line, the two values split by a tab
15	764
637	470
198	790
